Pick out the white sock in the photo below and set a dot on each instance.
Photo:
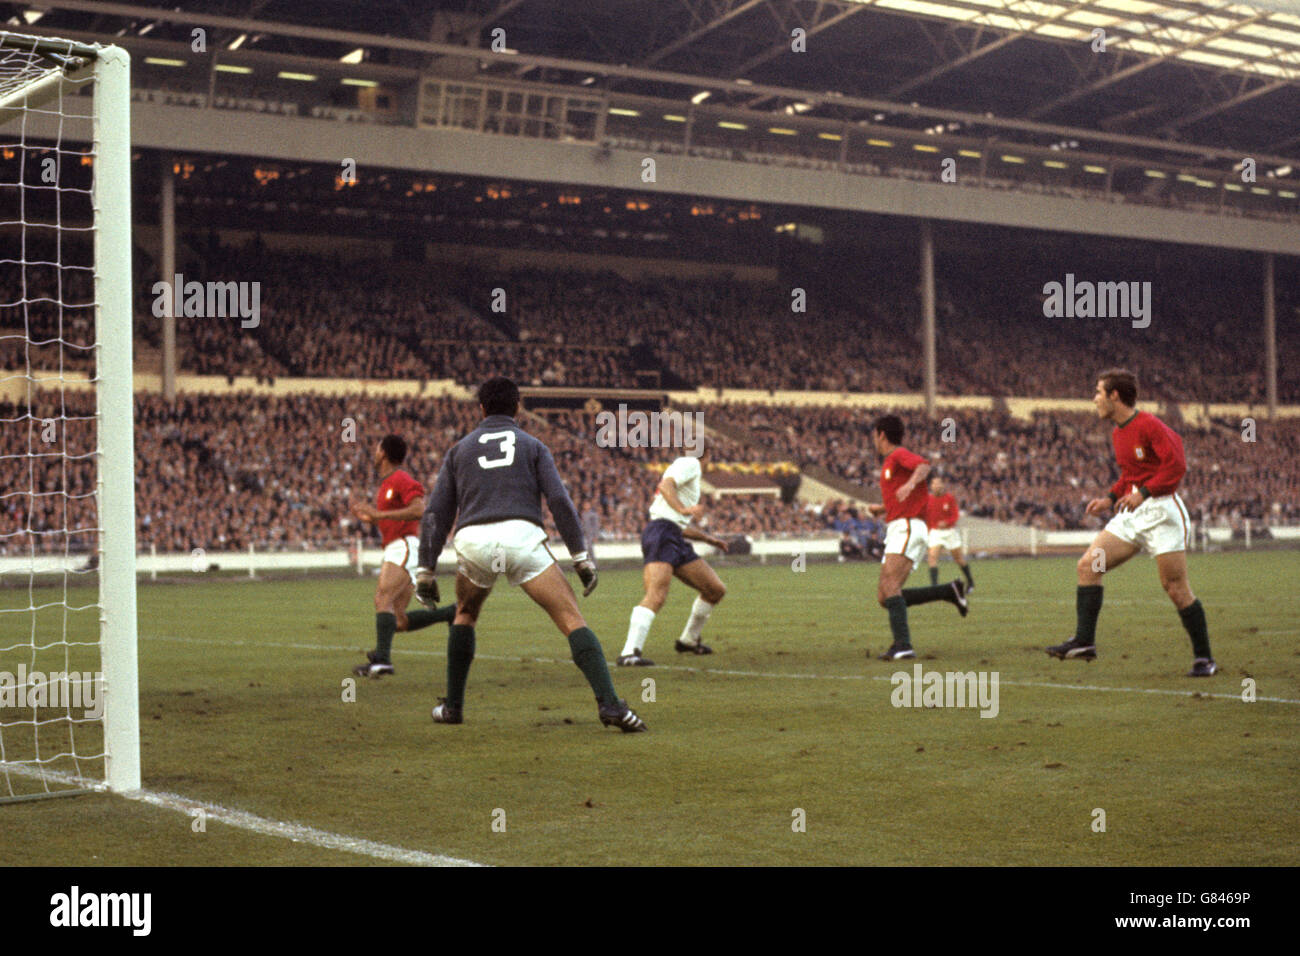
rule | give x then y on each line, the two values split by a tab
637	630
700	611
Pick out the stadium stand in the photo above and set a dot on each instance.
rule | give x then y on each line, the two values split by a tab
335	318
224	472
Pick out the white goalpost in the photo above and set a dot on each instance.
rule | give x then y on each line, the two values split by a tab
69	698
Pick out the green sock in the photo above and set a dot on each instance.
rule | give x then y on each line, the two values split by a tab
423	618
1194	622
934	575
1087	608
935	592
965	569
589	657
460	654
897	608
385	628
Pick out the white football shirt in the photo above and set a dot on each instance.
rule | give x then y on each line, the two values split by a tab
685	472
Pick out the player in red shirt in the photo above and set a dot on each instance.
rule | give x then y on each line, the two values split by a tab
1151	517
398	508
941	516
902	487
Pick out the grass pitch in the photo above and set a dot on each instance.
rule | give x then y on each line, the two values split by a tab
242	687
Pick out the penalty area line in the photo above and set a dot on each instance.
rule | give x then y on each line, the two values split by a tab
243	820
721	672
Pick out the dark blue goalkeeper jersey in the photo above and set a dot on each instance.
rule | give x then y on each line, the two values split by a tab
495	473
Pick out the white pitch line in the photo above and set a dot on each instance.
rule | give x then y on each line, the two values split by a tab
517	658
295	832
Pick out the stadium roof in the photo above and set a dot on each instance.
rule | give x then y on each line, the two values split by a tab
1253	38
1222	74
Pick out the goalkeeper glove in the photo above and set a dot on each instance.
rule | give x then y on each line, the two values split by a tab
586	569
426	588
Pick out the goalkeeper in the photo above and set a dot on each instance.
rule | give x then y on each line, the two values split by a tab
490	485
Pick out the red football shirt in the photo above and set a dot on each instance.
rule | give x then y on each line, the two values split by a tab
942	512
397	491
895	470
1150	455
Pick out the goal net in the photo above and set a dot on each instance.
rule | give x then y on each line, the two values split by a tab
69	714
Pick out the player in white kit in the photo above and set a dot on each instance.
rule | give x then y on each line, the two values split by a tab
667	554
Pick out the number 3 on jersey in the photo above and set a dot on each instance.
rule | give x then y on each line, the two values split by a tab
507	449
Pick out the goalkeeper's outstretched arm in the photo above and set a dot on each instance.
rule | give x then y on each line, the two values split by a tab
439	514
563	511
566	520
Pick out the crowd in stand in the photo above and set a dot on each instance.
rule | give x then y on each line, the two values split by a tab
340	317
1042	471
1204	341
721	333
223	472
46	314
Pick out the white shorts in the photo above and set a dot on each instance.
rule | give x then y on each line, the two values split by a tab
906	536
1157	526
949	538
515	548
405	553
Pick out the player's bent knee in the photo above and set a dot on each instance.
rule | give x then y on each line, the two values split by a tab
570	623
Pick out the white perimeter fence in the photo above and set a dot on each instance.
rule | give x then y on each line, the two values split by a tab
981	536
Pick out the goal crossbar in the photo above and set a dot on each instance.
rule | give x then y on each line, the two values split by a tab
67	64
